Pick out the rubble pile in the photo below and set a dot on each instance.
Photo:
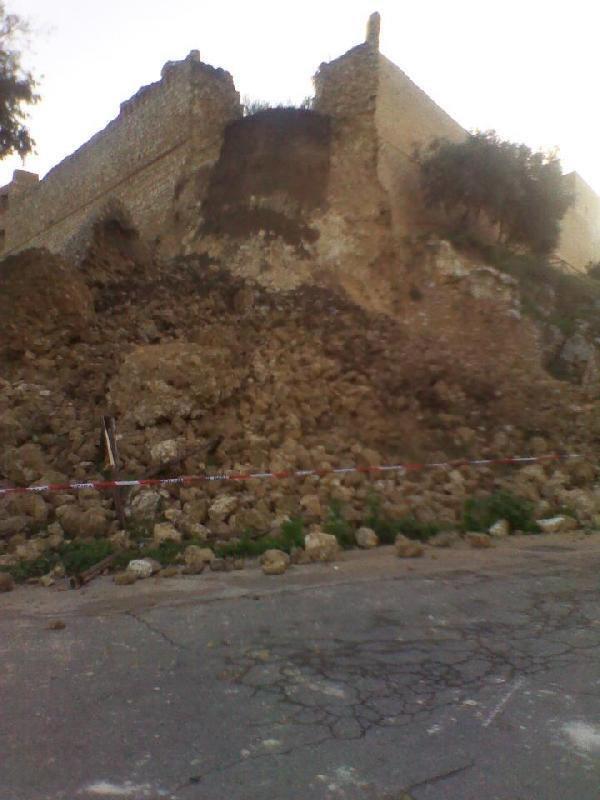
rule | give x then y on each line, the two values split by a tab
204	371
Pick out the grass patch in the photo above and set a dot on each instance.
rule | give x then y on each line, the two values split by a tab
292	535
387	529
337	525
482	512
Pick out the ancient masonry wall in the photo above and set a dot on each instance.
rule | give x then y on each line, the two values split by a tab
163	131
405	118
580	229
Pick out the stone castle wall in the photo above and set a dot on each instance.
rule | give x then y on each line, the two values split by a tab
155	160
580	229
162	131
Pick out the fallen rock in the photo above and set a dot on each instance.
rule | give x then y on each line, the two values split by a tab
7	583
126	578
169	572
222	507
143	567
558	524
479	540
500	528
366	538
218	565
144	507
274	562
89	523
165	532
444	539
321	546
408	548
197	557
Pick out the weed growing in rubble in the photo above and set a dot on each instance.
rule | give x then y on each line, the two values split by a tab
337	525
292	535
24	570
77	556
387	529
482	512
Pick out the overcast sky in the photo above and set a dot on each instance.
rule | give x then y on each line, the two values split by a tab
528	68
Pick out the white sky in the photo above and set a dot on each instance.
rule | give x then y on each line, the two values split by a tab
527	68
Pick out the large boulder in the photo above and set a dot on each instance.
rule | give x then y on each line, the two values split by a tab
179	379
274	562
321	546
81	523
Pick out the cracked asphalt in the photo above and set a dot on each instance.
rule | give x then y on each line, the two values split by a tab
465	676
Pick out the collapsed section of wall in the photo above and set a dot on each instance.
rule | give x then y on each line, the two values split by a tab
137	159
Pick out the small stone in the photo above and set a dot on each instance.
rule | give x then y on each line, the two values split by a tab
143	567
7	583
217	565
366	538
125	578
321	546
558	524
408	548
274	562
444	539
500	528
57	625
169	572
479	540
197	568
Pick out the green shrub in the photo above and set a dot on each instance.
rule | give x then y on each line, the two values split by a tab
338	526
482	512
292	535
387	529
77	556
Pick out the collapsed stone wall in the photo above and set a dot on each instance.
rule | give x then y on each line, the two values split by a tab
137	159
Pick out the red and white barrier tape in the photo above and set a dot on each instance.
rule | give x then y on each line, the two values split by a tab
189	480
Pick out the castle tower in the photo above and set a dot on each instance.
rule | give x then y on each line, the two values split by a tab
373	30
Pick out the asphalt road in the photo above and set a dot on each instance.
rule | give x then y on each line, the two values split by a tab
474	676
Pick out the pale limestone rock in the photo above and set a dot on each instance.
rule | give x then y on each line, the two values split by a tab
144	507
408	548
86	523
321	546
165	451
274	562
143	567
222	507
196	558
366	538
500	528
558	524
165	532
